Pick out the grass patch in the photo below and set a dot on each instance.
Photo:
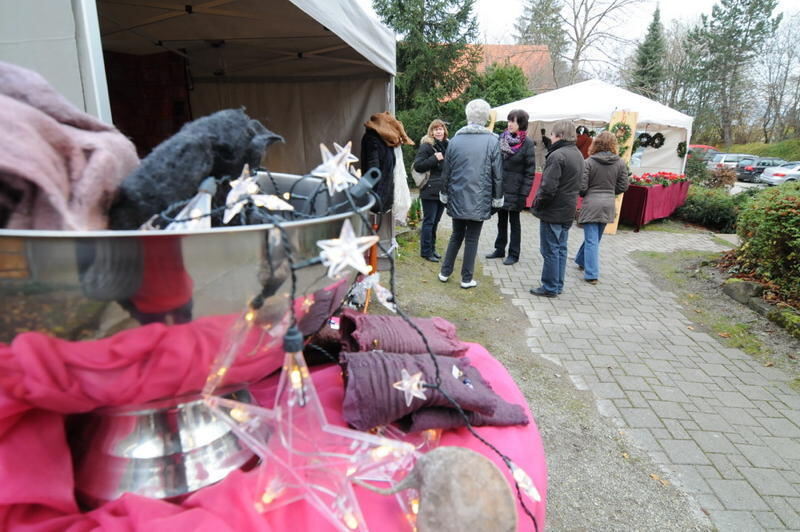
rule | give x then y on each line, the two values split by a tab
788	150
477	313
676	268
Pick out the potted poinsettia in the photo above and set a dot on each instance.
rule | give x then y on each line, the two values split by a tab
650	179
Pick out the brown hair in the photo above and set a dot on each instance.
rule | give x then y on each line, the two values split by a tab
565	130
436	123
605	141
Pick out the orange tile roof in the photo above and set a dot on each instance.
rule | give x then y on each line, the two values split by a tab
533	59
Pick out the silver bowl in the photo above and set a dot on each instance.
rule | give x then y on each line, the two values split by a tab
83	286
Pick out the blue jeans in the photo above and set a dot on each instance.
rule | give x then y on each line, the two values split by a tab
588	256
432	210
553	247
468	232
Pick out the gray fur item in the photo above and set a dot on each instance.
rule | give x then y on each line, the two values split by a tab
459	489
217	145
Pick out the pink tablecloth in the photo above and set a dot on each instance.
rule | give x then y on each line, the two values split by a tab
641	205
37	489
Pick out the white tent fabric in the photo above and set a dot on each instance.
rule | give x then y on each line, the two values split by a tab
592	103
311	71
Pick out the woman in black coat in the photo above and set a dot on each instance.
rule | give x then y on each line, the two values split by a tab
519	165
430	158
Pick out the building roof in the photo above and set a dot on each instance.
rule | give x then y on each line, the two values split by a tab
533	59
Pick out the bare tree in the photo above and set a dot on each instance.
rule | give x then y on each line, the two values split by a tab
779	76
589	24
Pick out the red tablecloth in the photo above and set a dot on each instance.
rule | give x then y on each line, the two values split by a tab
641	205
37	489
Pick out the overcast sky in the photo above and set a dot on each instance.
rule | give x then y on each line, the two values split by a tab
497	17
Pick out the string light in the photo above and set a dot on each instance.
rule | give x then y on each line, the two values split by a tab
195	215
334	168
410	385
346	251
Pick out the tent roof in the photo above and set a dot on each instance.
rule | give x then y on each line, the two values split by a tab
255	39
594	101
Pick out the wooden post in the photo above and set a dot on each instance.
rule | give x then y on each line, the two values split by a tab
631	119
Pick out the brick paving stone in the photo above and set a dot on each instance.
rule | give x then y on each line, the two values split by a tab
768	482
684	452
713	442
724	465
640	417
728	521
726	427
737	495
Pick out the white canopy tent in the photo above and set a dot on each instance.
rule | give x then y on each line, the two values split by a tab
311	71
592	102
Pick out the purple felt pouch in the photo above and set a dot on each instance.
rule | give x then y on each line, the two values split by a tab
442	417
363	332
371	398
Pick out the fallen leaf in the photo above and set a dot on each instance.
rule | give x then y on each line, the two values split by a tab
656	477
690	328
625	456
768	365
724	335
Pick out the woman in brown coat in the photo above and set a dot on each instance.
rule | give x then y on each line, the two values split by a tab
605	175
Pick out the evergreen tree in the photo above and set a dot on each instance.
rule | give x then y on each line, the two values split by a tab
435	58
541	24
648	74
733	36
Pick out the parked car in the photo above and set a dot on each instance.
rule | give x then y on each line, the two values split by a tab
777	175
702	151
749	169
729	160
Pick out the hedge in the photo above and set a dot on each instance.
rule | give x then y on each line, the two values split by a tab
714	208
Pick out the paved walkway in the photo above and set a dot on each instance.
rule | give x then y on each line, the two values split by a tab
725	428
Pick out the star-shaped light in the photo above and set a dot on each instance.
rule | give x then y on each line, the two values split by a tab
303	456
271	202
349	158
241	190
410	385
347	250
334	169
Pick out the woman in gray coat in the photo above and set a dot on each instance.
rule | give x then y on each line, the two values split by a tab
472	185
605	175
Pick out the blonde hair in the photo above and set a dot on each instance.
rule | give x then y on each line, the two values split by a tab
436	122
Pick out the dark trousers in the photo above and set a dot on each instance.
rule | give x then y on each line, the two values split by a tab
467	231
432	210
503	219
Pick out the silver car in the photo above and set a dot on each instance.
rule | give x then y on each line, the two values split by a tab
777	175
726	160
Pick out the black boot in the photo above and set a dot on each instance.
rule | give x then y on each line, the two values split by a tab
496	254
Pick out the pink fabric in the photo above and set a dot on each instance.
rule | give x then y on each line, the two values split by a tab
641	205
60	167
537	181
36	495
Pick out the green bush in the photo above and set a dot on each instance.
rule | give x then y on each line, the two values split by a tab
714	208
788	150
696	170
770	231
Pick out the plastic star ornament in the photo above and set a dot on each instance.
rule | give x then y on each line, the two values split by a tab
334	169
303	456
346	251
241	190
196	214
410	385
271	202
349	157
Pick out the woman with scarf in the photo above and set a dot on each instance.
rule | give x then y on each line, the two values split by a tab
519	165
430	158
383	133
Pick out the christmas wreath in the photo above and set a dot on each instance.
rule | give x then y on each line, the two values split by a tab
592	133
645	139
657	141
622	131
681	149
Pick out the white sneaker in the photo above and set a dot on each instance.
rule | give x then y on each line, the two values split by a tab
471	284
443	278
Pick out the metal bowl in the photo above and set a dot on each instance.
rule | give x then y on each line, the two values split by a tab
83	286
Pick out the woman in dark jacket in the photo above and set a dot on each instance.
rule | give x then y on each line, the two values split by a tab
430	158
382	133
519	165
605	175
